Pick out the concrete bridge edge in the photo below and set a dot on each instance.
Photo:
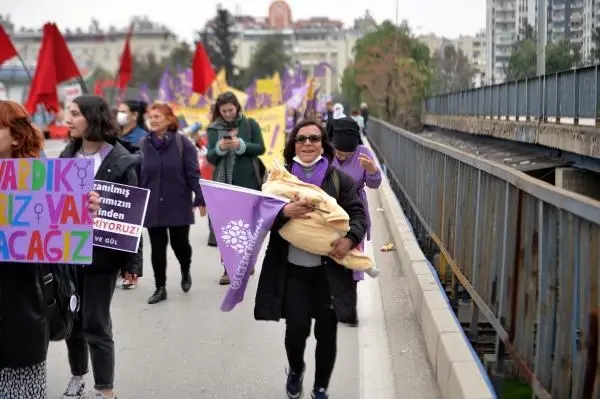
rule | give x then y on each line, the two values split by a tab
459	372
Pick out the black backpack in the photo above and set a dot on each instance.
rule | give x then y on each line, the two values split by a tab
60	292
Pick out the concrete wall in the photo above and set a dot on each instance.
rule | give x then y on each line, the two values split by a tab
459	372
579	181
576	139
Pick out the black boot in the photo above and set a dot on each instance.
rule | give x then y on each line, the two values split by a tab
159	295
186	281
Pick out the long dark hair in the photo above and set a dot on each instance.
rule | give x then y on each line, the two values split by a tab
140	108
289	152
97	113
225	98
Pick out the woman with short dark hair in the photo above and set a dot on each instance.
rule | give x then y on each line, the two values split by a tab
130	118
94	137
234	144
300	286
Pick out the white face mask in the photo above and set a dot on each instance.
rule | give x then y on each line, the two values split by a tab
308	165
122	118
147	123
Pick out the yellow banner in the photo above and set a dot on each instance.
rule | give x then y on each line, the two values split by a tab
271	121
272	124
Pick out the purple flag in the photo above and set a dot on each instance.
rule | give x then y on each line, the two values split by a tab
165	88
144	94
239	230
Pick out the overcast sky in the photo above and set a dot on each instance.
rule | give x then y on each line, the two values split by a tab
448	18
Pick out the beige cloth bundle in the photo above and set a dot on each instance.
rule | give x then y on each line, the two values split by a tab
315	234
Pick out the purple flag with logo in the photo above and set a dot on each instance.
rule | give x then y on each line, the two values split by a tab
239	230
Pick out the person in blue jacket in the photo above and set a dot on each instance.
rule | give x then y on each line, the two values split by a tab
130	117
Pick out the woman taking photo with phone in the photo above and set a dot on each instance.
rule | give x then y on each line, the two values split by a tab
234	144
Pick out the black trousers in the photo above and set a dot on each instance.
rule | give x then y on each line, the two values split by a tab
92	330
180	242
307	297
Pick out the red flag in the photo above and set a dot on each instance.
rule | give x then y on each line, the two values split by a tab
126	67
55	65
202	70
7	49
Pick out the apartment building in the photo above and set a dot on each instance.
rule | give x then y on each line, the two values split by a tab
95	47
572	20
309	41
474	48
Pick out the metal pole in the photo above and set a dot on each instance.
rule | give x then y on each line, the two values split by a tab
542	31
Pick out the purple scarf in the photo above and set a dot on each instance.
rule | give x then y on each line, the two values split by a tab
318	172
158	143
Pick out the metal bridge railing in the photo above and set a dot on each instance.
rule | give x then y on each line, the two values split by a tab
527	253
572	94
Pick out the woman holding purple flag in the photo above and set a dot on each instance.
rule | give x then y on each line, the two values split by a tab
95	138
234	144
301	286
25	306
357	161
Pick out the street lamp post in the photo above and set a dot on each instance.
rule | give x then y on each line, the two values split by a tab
542	31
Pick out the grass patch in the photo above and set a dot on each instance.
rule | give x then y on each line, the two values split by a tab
515	389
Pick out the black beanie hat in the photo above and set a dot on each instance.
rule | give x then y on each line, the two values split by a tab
346	134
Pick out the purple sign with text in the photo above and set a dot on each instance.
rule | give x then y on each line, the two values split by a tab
121	216
44	213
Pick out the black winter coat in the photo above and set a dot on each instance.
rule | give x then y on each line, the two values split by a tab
272	281
119	166
23	327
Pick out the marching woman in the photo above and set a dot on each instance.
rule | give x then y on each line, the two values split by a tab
357	161
24	309
300	286
94	137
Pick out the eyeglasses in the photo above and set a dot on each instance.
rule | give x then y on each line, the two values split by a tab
302	139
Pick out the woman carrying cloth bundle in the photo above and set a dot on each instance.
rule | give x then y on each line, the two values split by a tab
300	286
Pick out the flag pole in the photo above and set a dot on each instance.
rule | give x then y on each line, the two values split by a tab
30	77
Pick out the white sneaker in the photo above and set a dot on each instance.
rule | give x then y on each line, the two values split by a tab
75	389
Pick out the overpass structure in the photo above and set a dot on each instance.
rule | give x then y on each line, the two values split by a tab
518	256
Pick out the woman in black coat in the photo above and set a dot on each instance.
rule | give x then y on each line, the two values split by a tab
95	138
24	309
300	286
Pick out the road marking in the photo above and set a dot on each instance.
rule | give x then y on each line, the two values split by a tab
376	377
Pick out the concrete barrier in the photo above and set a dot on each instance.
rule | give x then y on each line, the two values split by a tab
459	372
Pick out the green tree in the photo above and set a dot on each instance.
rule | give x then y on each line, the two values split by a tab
147	69
218	38
268	58
390	72
522	63
454	72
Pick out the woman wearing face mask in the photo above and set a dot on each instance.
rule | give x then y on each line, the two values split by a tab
234	144
300	286
24	309
130	117
170	172
357	161
131	120
94	137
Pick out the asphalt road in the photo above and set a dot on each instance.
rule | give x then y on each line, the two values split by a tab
186	347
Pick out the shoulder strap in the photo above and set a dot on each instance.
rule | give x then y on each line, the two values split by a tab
336	182
179	142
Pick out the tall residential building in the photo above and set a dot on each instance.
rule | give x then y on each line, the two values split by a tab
572	20
474	48
309	41
505	20
96	47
